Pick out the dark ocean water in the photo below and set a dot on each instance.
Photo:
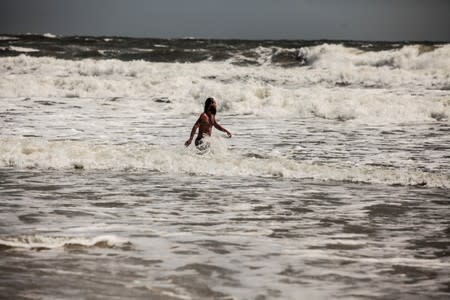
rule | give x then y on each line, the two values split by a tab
279	52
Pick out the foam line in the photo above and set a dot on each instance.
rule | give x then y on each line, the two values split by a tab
41	154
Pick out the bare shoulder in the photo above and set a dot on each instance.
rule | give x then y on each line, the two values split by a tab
203	117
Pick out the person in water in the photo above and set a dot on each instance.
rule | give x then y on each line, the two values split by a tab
205	123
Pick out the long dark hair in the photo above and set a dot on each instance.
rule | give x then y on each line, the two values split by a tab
208	103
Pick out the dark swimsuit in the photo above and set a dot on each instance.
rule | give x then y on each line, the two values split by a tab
198	141
201	144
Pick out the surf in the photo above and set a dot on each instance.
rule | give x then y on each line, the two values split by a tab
36	153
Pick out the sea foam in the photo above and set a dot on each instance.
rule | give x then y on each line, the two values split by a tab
344	84
44	242
41	154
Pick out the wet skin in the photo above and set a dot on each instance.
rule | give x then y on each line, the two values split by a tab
204	125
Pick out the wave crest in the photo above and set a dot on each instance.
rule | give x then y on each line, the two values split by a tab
413	57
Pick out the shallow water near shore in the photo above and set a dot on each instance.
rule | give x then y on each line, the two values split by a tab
139	234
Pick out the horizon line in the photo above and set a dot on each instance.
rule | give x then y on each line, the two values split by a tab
52	35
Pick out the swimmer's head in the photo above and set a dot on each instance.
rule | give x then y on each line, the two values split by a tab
210	105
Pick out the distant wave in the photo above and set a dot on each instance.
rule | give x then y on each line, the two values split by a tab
37	153
284	53
19	49
50	35
8	38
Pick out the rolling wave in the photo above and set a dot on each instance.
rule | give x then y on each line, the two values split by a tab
283	53
344	88
41	154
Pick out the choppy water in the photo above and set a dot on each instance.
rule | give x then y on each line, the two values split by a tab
335	184
146	234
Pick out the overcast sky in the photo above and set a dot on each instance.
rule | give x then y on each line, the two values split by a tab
243	19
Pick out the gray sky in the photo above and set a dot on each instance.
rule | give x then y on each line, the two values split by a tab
244	19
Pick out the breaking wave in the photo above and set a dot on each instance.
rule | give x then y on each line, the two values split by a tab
329	66
414	57
340	83
42	154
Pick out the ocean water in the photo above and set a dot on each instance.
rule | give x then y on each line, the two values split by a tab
335	184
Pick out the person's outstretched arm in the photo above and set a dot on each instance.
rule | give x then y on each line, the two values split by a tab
194	129
218	126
